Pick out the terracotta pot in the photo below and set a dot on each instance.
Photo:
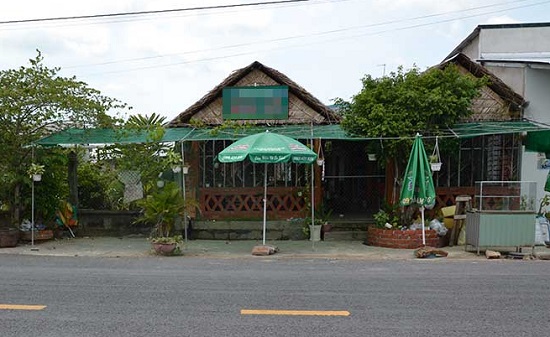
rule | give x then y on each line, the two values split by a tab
9	237
164	248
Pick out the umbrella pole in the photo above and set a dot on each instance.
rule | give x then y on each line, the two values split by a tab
183	193
265	202
311	229
423	230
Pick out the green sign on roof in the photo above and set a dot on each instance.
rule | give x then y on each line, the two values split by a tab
265	102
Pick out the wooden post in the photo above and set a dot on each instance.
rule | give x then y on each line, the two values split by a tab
73	178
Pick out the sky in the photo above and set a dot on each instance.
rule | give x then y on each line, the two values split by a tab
163	63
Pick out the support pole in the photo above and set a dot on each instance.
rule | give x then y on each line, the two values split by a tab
265	202
32	214
312	228
423	229
183	192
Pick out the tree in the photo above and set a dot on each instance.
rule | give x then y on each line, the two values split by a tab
148	158
34	101
398	106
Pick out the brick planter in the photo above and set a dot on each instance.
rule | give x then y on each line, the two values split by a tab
394	238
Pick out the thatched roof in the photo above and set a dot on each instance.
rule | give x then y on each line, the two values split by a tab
328	115
495	83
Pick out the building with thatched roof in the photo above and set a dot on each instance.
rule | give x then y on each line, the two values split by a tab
348	184
519	56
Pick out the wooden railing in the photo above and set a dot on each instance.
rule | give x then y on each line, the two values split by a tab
247	203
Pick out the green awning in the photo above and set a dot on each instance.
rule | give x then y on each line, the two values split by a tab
538	142
109	136
304	131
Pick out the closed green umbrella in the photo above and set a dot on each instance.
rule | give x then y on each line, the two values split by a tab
418	186
267	148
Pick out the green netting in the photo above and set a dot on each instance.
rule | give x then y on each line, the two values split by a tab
334	131
466	130
109	136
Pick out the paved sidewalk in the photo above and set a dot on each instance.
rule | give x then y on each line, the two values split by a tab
133	246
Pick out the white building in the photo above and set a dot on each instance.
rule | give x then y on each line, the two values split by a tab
519	54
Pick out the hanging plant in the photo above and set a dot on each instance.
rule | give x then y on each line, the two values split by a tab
36	171
435	158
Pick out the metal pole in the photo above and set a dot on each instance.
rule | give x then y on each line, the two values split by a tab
32	213
32	203
312	228
183	191
265	201
423	230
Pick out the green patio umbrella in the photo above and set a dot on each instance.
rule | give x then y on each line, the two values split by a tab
267	148
418	186
547	185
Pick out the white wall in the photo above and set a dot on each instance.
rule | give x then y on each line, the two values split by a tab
515	40
511	74
537	86
472	49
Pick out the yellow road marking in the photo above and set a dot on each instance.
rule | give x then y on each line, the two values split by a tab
295	312
21	307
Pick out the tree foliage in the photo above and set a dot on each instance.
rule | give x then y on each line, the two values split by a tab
34	101
406	102
149	158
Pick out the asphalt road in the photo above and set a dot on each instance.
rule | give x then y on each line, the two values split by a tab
205	297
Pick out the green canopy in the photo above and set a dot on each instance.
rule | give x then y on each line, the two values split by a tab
418	186
268	148
538	142
73	136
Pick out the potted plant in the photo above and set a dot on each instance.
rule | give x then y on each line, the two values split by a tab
36	171
372	149
174	160
435	162
312	230
162	208
386	218
320	225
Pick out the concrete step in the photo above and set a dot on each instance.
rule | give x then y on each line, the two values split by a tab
346	236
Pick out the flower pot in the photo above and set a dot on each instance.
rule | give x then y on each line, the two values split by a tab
38	235
371	156
185	169
315	233
326	227
9	237
320	162
176	169
164	248
435	166
36	177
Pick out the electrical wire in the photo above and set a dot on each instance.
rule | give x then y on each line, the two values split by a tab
294	37
336	39
162	11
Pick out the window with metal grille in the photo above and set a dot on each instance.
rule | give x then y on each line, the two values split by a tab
487	158
245	173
